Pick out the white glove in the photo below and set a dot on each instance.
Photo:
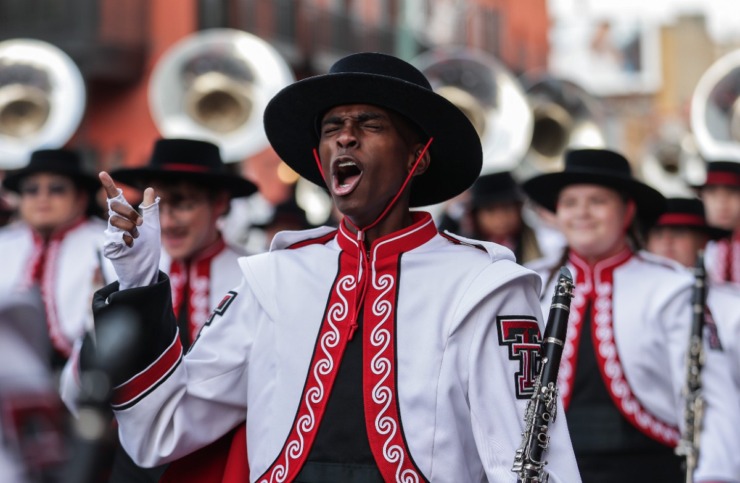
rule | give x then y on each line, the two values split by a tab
137	265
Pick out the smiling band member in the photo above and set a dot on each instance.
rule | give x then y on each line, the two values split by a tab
378	351
622	369
195	189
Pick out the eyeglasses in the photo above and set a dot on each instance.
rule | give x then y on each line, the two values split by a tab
52	189
181	205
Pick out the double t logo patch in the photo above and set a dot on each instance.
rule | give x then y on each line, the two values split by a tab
522	336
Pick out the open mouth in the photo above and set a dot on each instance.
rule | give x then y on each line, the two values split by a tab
346	175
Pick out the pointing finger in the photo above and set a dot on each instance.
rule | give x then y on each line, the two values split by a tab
111	190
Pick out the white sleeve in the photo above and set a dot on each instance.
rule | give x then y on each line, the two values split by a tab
69	383
720	439
499	368
167	411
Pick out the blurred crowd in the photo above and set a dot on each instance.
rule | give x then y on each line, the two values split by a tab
53	231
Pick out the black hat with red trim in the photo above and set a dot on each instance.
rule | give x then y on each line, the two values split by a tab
64	162
722	173
292	116
688	213
198	162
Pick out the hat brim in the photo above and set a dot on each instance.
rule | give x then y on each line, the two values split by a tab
546	188
88	182
141	177
712	232
456	154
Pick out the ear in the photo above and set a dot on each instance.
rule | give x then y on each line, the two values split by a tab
423	164
81	201
221	203
629	213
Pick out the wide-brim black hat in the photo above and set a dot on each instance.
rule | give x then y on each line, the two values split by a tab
689	213
64	162
194	161
600	167
292	116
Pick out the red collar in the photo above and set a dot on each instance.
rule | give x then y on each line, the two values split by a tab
595	273
205	254
58	235
404	240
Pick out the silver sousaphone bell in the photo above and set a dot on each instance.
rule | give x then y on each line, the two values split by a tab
214	85
715	110
489	95
42	99
566	116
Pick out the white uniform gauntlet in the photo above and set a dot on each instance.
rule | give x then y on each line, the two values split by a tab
137	265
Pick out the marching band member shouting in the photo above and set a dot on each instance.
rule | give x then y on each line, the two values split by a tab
623	364
378	351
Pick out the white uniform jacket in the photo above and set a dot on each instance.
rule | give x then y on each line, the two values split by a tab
642	320
722	260
72	268
723	301
449	331
211	274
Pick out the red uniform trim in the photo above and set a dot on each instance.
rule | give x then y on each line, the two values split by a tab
197	273
366	280
382	412
330	344
597	284
135	388
314	241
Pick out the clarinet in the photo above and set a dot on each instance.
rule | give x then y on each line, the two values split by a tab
529	462
689	445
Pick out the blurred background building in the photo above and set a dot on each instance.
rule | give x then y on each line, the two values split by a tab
641	71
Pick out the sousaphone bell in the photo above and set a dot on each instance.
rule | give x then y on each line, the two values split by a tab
42	99
489	95
715	110
214	85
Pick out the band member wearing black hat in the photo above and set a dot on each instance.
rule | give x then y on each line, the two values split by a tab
721	196
195	189
622	369
679	234
496	203
376	351
55	245
682	230
286	216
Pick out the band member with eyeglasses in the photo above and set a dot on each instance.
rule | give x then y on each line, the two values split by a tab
623	366
195	190
56	244
380	350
